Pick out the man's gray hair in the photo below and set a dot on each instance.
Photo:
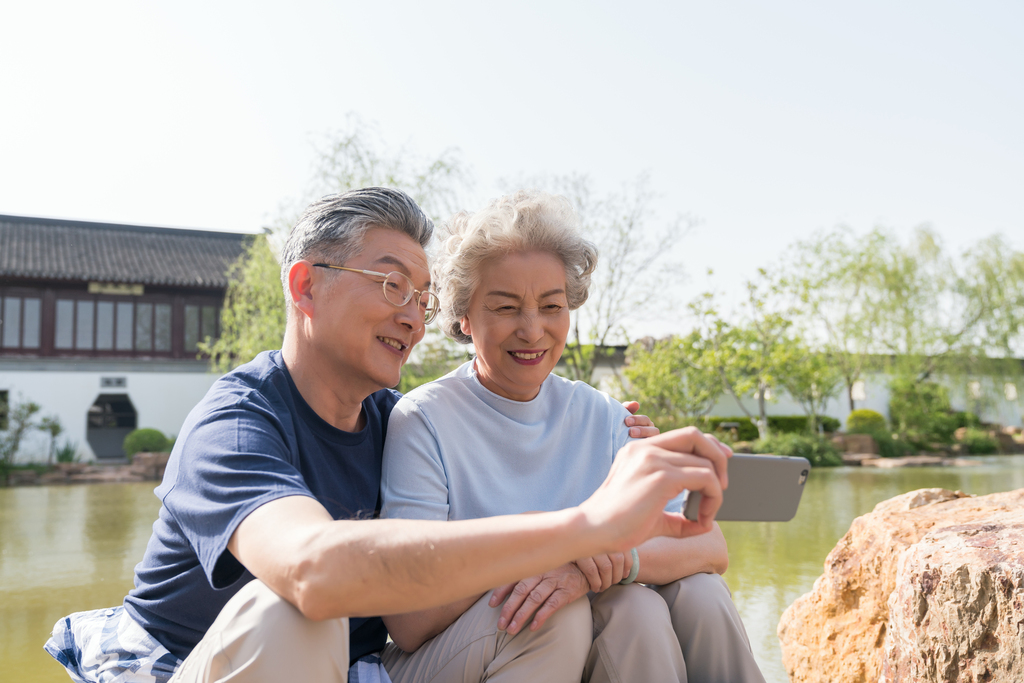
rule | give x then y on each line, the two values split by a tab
526	221
332	228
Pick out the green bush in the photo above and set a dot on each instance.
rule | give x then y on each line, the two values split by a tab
978	442
920	411
67	452
144	441
889	447
865	421
819	452
777	424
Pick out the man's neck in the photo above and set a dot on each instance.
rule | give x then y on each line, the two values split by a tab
337	401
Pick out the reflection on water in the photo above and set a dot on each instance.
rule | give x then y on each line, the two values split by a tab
771	565
66	549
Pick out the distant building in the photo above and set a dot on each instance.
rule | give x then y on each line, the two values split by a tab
99	324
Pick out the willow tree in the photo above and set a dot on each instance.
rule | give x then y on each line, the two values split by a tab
253	317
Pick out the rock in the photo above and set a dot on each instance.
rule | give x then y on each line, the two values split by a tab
856	443
22	477
836	633
857	459
918	461
1007	444
742	447
150	465
958	606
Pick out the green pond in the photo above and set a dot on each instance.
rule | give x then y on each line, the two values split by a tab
71	548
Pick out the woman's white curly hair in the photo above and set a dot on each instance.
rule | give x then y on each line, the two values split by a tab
528	220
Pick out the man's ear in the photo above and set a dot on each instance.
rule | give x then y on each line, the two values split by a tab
300	286
464	324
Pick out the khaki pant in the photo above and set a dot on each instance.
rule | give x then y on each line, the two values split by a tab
688	630
472	650
261	638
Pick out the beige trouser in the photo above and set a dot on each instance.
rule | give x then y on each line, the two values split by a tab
688	630
260	638
473	649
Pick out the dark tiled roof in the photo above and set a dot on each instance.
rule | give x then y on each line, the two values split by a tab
56	249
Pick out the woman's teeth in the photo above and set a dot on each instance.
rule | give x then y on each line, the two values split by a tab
527	356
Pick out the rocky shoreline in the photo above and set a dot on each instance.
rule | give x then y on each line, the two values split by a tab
143	467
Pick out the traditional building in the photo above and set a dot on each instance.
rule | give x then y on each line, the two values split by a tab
100	324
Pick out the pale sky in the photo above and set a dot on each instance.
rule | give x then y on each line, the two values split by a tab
767	121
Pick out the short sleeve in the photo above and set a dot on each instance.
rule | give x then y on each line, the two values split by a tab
231	463
413	481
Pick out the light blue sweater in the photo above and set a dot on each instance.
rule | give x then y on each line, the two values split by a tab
455	450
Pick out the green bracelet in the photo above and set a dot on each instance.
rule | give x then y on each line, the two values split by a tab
635	569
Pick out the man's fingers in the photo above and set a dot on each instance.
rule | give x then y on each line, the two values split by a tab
588	568
557	601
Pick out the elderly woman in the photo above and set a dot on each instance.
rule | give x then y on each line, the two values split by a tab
502	434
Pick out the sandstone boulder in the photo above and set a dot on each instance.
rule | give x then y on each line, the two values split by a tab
837	632
958	607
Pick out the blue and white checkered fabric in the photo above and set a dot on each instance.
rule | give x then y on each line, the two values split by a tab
108	646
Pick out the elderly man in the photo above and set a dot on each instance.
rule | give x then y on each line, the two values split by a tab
264	564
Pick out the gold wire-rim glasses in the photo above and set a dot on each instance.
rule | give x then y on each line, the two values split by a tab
395	283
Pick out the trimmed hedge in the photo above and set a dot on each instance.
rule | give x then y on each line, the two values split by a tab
819	452
144	441
777	424
865	421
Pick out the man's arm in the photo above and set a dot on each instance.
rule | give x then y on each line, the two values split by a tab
331	568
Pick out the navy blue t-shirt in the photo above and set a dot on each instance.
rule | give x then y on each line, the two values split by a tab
251	440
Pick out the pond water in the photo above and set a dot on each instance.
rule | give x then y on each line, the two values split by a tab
71	548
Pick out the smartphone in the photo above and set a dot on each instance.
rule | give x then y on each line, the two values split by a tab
762	488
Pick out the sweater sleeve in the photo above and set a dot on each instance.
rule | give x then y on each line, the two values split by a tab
413	481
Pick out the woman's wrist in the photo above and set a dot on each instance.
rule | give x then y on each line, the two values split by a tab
634	570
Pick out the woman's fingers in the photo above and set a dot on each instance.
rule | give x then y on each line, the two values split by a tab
534	599
520	593
619	570
500	593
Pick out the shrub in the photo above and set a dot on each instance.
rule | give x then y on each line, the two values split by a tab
144	441
777	424
920	411
818	451
865	422
67	452
978	442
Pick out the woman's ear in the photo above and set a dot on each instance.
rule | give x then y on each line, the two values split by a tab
464	324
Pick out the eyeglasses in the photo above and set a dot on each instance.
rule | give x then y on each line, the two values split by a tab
399	290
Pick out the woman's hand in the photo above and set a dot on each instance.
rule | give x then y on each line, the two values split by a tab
604	571
544	594
640	426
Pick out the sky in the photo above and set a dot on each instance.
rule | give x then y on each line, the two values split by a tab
765	122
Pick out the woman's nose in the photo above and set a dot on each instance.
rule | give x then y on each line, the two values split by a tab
529	327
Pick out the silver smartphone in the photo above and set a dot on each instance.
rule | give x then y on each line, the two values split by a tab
762	488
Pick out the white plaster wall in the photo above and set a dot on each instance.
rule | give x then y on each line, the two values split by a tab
161	399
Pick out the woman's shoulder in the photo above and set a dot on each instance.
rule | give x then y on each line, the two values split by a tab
583	395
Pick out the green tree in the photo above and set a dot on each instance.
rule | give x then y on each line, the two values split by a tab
830	275
668	379
254	314
253	317
748	356
635	268
811	378
21	419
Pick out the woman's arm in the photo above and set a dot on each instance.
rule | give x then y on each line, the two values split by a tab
412	629
664	560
